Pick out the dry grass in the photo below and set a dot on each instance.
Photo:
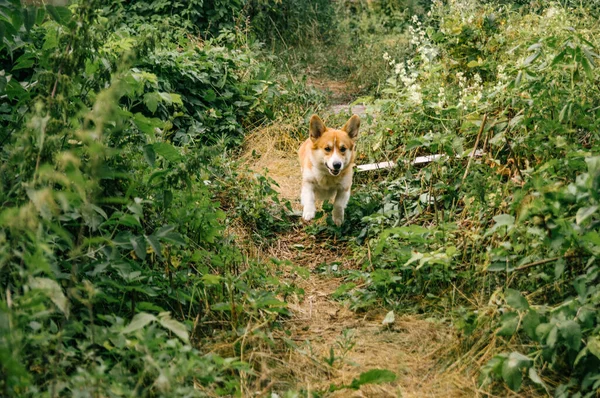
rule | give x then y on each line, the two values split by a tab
274	148
414	348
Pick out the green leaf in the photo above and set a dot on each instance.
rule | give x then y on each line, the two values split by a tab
373	376
50	40
269	303
504	220
167	151
515	299
530	322
139	321
147	125
343	289
499	266
582	354
221	307
571	332
593	345
2	84
584	213
151	101
178	328
139	246
17	18
563	112
552	337
175	237
508	324
587	67
40	15
148	306
171	98
167	198
512	370
561	55
155	245
531	58
25	61
62	15
534	377
29	16
593	165
52	289
149	154
518	78
211	279
210	96
542	330
157	175
129	221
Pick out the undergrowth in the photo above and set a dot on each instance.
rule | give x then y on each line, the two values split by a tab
118	265
127	225
499	232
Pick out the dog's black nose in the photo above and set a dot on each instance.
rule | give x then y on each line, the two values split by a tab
337	165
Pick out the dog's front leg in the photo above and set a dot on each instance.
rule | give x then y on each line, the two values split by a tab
307	198
339	205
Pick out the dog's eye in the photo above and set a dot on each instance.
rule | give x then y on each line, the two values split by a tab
343	149
327	149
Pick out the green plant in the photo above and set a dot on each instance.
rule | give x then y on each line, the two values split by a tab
115	263
520	88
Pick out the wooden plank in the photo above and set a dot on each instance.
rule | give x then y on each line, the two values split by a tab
375	166
418	160
427	159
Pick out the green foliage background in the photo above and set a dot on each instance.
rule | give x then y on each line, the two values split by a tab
119	185
117	121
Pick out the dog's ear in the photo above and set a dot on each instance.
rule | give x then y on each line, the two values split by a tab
351	126
316	127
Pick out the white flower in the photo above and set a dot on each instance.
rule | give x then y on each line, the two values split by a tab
551	12
441	97
415	95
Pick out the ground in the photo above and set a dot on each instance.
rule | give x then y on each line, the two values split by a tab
414	348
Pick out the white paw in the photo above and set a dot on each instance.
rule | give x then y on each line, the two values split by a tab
308	215
338	219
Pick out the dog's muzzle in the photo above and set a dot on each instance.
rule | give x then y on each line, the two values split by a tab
333	172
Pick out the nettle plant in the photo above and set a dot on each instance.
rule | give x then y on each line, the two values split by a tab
561	223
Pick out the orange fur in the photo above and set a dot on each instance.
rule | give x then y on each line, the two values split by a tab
327	160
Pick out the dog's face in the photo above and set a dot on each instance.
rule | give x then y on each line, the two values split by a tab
333	149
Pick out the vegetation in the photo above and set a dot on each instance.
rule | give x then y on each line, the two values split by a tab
132	231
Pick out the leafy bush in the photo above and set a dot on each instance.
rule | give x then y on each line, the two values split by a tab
290	22
115	265
521	87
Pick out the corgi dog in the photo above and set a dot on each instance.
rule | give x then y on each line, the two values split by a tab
327	160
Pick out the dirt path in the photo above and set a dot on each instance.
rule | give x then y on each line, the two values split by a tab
414	348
